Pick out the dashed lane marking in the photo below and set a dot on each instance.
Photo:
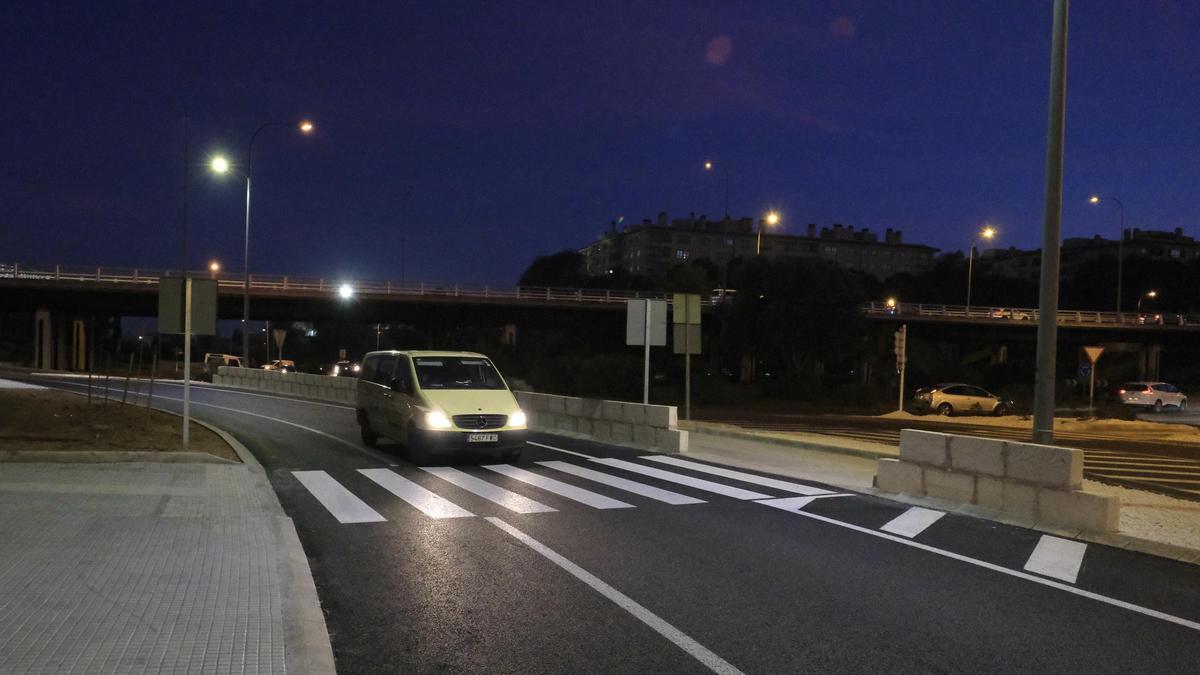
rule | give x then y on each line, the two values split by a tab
912	522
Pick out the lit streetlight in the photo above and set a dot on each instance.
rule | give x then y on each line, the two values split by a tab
708	166
1143	296
988	233
771	220
214	267
345	291
1096	199
222	165
891	303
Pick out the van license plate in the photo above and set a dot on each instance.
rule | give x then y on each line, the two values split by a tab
483	438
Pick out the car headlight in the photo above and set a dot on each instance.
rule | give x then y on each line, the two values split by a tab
337	369
517	419
357	367
437	419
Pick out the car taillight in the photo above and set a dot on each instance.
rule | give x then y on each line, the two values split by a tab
1120	391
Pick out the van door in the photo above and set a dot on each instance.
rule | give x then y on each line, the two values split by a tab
378	395
400	400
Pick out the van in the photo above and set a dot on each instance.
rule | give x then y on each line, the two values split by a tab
438	402
213	361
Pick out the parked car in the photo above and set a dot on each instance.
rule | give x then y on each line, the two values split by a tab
438	401
213	361
345	368
281	365
1157	395
956	398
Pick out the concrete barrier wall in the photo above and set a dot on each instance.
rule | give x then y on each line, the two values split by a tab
318	387
1040	482
649	427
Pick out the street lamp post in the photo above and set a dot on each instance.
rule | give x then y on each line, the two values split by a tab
988	233
771	220
221	165
1096	199
708	166
1143	296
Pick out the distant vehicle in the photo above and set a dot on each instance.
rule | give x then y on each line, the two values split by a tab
438	401
1157	395
214	361
720	295
281	365
345	368
1006	313
955	398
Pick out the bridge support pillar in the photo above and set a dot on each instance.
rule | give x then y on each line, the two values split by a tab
60	344
1149	362
43	340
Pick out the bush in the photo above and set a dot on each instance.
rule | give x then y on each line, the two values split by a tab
793	387
863	396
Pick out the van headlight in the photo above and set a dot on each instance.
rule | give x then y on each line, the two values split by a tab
437	419
517	419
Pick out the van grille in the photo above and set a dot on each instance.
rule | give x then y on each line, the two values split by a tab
480	421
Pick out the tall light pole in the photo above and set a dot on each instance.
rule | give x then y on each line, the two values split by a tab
771	220
1143	296
708	166
1096	199
221	165
987	233
1047	335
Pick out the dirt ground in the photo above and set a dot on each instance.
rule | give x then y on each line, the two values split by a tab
1157	430
44	419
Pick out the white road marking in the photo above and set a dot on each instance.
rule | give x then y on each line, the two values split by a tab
786	486
670	476
494	493
912	522
657	624
1058	558
429	503
623	483
794	504
1145	611
336	499
13	384
592	499
569	452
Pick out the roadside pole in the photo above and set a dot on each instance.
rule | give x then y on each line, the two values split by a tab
646	326
685	315
187	362
901	350
1093	356
646	365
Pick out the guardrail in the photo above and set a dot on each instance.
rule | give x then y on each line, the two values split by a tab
129	276
1066	317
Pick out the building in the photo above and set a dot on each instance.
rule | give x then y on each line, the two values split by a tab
1157	245
652	248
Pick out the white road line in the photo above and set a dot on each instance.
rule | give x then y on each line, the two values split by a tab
592	499
569	452
623	483
912	522
786	486
1058	558
336	499
794	504
656	623
429	503
670	476
1145	611
494	493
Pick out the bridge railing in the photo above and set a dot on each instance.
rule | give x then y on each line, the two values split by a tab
127	276
1066	317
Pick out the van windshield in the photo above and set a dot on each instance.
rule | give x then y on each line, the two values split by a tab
457	372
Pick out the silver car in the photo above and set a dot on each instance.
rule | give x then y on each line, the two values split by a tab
956	398
1157	395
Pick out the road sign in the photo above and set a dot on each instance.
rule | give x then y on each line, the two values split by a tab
686	308
171	306
685	338
1093	353
635	322
901	349
1085	370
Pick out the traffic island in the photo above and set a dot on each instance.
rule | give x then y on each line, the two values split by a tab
1039	482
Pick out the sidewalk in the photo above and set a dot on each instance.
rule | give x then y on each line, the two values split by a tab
1150	522
152	567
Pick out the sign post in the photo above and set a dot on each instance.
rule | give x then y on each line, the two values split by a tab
686	340
1093	355
188	307
646	325
901	346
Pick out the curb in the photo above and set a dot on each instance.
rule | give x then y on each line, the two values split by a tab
799	444
109	457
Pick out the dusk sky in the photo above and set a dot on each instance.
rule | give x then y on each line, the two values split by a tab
520	128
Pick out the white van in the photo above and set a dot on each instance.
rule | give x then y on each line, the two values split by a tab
432	401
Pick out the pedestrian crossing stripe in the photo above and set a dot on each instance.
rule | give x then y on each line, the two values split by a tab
625	484
493	493
593	499
425	500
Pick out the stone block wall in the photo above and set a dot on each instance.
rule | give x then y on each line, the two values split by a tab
649	427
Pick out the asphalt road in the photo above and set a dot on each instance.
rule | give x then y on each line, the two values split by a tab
1136	459
612	569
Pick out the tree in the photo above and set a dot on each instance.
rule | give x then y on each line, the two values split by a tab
564	269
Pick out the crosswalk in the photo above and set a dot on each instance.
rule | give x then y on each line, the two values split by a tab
1052	557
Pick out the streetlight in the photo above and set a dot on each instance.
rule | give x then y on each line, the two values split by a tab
1143	296
222	165
345	291
708	166
988	233
771	220
1096	199
891	305
214	267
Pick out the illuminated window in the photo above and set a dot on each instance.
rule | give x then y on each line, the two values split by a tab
681	254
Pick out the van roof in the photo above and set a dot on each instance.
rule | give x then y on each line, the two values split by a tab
426	352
